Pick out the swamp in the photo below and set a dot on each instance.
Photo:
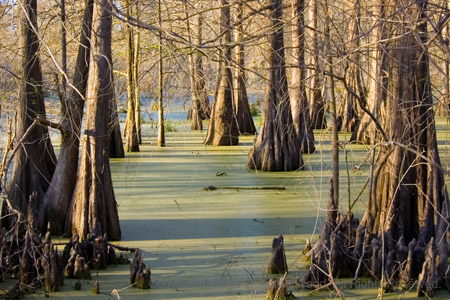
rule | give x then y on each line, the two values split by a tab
216	244
228	149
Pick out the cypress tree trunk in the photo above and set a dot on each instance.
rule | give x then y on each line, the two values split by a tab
161	131
350	114
115	143
366	131
115	148
57	198
223	130
277	147
403	234
137	90
318	119
132	137
200	79
299	102
242	108
93	208
34	162
195	105
63	45
204	110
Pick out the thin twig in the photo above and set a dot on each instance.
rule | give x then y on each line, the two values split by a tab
360	261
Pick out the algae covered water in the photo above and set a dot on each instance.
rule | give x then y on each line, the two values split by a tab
204	244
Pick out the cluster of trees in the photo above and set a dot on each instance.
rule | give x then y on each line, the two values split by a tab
378	67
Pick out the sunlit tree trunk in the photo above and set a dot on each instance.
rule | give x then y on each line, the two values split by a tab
57	198
222	130
161	132
34	162
137	89
204	109
242	108
299	102
132	137
94	208
195	105
277	147
200	78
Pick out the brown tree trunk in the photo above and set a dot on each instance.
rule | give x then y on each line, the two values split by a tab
277	147
409	204
299	101
35	161
242	108
411	200
204	109
115	143
445	99
350	116
132	138
366	131
195	105
223	130
161	131
115	148
57	198
137	90
318	119
63	46
94	208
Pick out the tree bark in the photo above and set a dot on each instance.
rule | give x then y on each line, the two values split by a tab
137	89
132	137
115	148
242	108
94	208
409	204
161	131
57	198
223	130
204	109
35	161
318	119
299	102
63	45
277	147
366	131
195	105
115	143
350	113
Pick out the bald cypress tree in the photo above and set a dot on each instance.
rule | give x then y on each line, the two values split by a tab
34	162
223	129
277	147
403	234
93	208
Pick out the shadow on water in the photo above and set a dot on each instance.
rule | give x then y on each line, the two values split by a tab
139	230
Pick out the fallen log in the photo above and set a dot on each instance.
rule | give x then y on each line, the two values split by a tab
213	188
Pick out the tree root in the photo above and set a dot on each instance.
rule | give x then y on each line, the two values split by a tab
37	262
140	273
277	263
398	265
